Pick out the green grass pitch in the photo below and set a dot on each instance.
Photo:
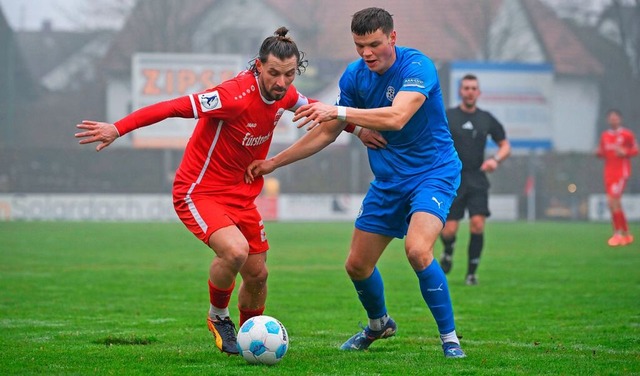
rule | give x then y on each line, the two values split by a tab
131	299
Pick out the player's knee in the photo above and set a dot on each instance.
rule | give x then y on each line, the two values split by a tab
255	279
448	237
357	270
449	230
477	228
476	224
419	258
235	256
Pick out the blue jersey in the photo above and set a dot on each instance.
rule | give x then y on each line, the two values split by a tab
425	143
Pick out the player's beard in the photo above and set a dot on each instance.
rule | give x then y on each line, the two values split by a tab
276	95
469	104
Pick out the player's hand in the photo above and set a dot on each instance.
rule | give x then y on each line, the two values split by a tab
372	139
620	152
95	131
313	114
490	165
257	168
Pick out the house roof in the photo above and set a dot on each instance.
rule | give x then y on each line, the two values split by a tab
44	50
445	30
154	28
564	49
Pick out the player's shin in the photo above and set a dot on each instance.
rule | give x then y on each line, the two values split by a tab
435	292
371	294
476	243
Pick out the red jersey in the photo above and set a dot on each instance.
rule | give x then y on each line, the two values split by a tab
235	127
612	141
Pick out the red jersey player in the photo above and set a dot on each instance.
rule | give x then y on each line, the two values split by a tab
235	127
617	146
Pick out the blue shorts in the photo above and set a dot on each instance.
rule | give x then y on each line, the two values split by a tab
388	205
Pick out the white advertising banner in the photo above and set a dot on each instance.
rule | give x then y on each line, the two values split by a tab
599	209
140	207
158	77
86	207
518	95
319	207
159	207
503	207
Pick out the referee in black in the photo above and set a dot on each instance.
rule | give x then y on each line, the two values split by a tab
470	127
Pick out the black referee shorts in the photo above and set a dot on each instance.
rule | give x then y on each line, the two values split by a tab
473	196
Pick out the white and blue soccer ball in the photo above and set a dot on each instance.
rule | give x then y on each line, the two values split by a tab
263	340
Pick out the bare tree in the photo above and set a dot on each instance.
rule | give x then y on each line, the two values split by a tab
626	16
620	23
618	20
510	37
582	12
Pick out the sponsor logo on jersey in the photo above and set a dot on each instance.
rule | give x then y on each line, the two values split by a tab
251	140
391	93
413	82
252	125
209	101
467	126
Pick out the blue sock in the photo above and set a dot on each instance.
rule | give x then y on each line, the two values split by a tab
371	294
435	292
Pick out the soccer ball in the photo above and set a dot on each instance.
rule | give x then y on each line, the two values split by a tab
263	339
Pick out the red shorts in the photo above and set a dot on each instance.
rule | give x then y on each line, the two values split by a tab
614	186
203	216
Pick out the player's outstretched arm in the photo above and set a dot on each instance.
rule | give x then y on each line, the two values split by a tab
95	131
310	143
106	133
370	138
389	118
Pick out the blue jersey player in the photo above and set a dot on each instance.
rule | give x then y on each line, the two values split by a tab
393	90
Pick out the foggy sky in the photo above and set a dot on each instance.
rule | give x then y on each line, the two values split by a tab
30	14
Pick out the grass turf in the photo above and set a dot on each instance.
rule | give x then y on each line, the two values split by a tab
116	298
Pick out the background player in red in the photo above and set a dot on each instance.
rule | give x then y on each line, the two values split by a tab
617	146
235	126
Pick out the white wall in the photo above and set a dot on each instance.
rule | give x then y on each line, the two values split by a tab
575	114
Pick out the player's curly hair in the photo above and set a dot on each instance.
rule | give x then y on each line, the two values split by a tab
282	47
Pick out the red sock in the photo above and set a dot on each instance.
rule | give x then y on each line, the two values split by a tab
220	298
246	314
615	221
622	221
